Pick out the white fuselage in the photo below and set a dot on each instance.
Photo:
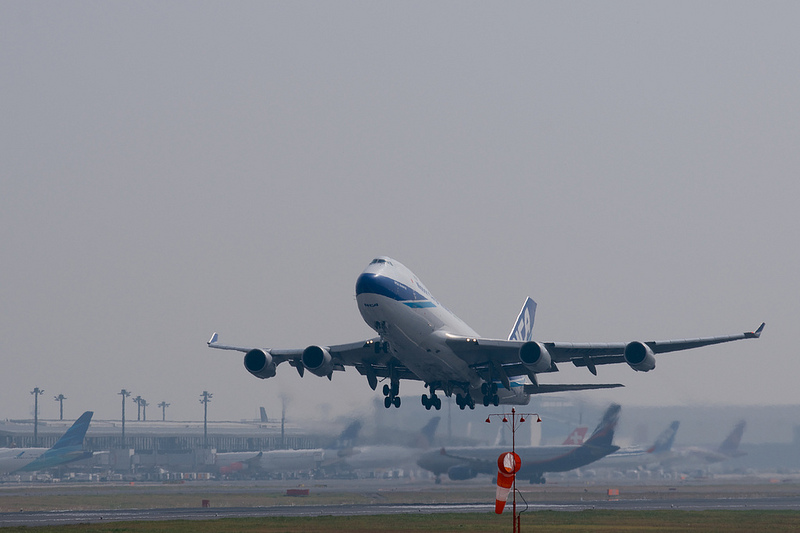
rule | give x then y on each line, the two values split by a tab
395	303
12	459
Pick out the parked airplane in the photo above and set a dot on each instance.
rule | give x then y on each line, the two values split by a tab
385	457
67	449
636	457
694	456
281	461
466	463
343	456
420	339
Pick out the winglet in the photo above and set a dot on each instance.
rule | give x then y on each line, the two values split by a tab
757	333
214	338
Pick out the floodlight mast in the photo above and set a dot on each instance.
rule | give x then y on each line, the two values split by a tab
516	419
36	392
206	397
163	405
60	399
124	395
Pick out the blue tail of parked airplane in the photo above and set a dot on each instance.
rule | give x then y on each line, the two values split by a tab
67	449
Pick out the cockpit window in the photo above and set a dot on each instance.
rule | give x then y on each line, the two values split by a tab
380	261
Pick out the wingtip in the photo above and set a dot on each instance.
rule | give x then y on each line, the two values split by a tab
214	338
757	333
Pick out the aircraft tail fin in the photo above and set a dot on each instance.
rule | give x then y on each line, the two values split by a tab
576	437
523	328
604	432
263	412
348	436
730	446
75	434
429	431
665	440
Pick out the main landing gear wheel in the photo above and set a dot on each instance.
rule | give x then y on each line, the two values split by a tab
490	394
465	401
434	401
392	395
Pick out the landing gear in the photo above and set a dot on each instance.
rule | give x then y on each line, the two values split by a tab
490	396
392	394
381	347
434	401
465	401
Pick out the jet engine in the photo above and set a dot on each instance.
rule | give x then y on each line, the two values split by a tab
259	363
318	361
461	472
535	356
639	356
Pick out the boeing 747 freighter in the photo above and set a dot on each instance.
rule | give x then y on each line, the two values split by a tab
420	339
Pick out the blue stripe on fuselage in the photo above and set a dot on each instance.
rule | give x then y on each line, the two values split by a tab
420	305
384	286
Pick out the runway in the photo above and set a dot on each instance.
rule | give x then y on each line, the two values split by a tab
475	498
47	518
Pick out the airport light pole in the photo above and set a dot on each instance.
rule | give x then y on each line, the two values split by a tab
124	395
36	392
138	401
60	399
516	420
206	397
163	406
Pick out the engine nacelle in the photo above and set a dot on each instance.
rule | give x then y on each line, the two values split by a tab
639	356
259	363
318	361
535	356
461	472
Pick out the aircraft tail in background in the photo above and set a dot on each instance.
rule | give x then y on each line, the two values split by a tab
428	433
67	449
730	446
75	434
264	418
603	434
576	437
665	440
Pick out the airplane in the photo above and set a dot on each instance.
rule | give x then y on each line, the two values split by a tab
383	456
420	339
343	456
67	449
282	461
640	456
466	463
696	456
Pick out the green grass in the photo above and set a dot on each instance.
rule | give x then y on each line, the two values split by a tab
541	521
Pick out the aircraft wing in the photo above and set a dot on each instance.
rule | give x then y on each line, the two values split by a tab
365	356
496	354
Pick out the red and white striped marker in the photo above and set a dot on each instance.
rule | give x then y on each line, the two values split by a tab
508	465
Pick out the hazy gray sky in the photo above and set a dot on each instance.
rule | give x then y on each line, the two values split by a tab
172	169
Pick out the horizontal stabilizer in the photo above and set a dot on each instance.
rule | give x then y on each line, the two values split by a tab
543	389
